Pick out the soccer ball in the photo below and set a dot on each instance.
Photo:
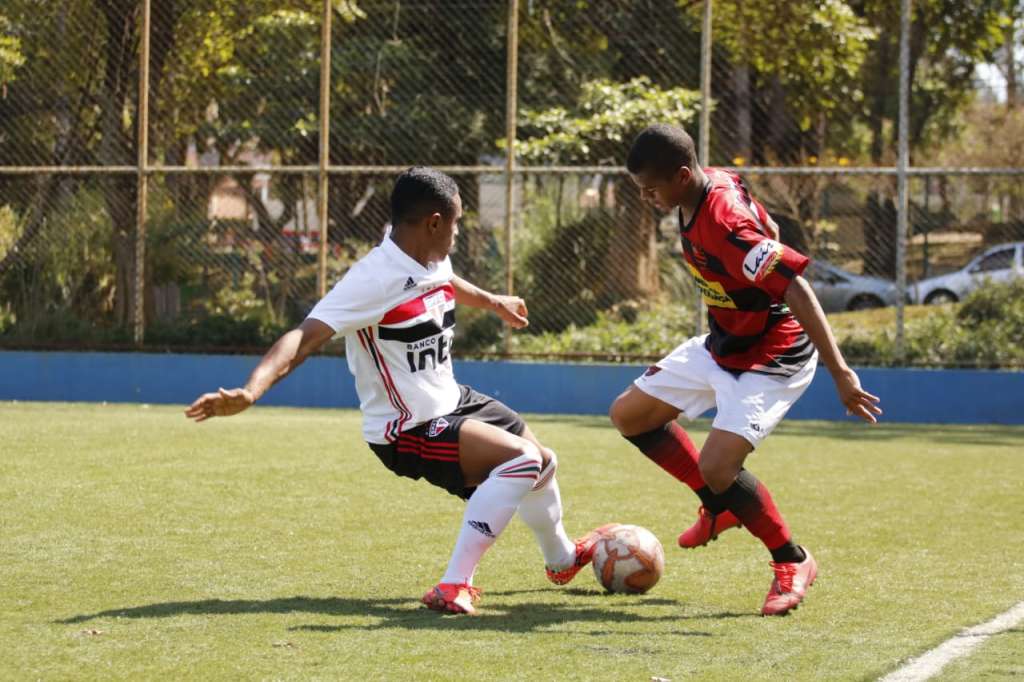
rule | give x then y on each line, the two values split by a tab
628	559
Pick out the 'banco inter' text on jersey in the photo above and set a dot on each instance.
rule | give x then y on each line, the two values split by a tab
743	273
398	319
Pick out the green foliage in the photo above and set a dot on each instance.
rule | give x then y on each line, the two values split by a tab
797	43
11	54
216	331
567	279
619	333
986	330
602	121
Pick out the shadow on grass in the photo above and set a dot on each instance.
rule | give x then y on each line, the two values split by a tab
959	434
400	613
846	430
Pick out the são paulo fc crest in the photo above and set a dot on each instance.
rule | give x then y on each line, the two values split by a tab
437	427
762	259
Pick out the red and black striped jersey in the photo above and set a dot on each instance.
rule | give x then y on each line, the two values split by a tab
742	273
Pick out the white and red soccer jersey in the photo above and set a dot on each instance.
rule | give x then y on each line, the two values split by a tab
398	319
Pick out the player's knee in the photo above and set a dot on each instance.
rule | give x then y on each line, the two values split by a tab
718	475
620	415
549	457
530	451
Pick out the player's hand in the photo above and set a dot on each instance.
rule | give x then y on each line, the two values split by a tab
857	401
223	403
512	310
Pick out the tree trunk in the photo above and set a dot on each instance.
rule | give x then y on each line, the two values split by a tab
743	100
633	265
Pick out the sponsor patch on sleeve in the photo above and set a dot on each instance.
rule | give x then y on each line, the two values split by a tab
762	259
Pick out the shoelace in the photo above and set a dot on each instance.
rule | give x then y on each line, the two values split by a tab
475	593
784	574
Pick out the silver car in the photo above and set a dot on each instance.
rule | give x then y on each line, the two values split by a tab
839	290
1000	263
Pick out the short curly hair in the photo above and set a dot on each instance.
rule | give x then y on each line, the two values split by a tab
421	191
661	149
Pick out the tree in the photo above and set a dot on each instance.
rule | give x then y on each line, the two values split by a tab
599	127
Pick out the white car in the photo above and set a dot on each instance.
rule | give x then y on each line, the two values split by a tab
998	264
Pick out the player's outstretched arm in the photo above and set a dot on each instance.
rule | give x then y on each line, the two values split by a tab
805	307
285	355
511	309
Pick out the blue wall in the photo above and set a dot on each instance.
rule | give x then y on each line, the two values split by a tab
908	395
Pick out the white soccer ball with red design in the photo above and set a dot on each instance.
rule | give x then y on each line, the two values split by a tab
628	559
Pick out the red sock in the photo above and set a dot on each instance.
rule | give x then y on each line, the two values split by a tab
670	448
752	504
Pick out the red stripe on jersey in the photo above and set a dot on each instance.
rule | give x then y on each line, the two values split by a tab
406	413
393	428
415	307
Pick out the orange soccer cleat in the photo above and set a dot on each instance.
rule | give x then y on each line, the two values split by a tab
789	586
708	527
584	554
452	598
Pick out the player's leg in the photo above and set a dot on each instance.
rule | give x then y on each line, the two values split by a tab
541	510
645	415
503	468
737	490
748	410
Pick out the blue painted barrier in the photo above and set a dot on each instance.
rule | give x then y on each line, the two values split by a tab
908	395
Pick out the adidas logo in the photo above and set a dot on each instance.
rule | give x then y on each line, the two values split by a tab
482	527
409	284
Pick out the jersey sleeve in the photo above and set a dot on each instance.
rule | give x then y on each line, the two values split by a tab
751	254
353	303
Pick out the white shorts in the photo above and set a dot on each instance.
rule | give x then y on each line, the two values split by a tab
750	405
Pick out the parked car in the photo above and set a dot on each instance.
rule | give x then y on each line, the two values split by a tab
1000	263
840	290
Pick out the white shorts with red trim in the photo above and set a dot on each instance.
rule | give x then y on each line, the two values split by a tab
750	405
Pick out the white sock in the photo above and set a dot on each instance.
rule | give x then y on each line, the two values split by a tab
541	510
489	510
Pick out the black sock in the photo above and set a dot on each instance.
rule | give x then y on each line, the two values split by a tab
789	553
712	502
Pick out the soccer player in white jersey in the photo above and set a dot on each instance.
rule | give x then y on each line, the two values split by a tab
396	309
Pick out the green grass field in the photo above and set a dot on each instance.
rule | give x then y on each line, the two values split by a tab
273	545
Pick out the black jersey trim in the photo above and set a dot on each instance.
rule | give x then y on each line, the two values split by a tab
700	204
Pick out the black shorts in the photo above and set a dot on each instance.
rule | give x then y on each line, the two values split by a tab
431	450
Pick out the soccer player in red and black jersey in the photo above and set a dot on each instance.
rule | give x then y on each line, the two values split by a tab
767	335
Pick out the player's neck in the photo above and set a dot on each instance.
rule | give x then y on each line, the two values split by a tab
694	194
412	247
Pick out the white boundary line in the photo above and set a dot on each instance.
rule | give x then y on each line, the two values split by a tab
957	646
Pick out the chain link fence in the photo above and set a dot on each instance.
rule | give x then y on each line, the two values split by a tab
193	175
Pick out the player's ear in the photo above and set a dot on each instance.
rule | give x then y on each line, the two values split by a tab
684	176
434	222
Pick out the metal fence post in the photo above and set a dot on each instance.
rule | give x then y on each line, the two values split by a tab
511	95
142	185
902	163
325	146
704	150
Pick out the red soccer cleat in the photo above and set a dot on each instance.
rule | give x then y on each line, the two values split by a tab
789	586
584	554
452	598
708	527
